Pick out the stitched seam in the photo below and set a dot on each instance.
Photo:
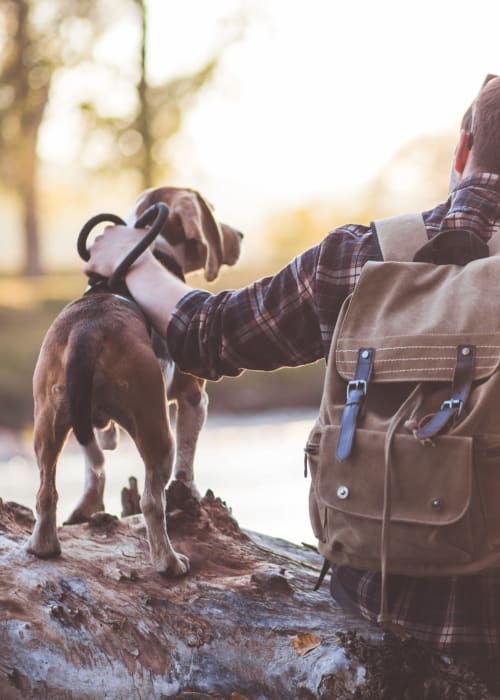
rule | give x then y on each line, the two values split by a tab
428	369
418	359
417	347
354	339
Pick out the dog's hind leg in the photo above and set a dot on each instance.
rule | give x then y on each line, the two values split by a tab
49	440
93	490
156	448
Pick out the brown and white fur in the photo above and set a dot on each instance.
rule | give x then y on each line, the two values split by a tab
97	367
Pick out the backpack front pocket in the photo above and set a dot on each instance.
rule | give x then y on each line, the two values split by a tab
435	516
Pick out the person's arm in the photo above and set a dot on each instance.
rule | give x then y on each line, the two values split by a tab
284	320
156	291
269	324
266	325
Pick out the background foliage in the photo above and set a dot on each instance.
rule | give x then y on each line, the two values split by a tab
124	125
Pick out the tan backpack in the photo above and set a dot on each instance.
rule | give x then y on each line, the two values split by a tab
405	454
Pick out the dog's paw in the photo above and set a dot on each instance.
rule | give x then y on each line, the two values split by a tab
180	565
43	548
193	489
77	517
84	511
187	485
177	565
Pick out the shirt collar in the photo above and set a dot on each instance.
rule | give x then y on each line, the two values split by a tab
490	181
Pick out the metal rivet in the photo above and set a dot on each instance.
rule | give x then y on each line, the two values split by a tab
437	504
465	351
343	492
365	354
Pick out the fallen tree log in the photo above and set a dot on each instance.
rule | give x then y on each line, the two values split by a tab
98	622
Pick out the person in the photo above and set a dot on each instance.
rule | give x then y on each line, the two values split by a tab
288	319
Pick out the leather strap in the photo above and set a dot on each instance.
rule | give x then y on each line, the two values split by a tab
451	409
399	237
324	570
453	248
356	392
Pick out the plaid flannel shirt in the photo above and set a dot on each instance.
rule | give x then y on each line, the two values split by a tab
288	320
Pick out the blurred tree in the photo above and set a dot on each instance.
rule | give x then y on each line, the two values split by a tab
42	39
137	137
414	178
293	231
35	39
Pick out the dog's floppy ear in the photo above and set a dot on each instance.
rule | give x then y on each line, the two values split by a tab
199	224
190	219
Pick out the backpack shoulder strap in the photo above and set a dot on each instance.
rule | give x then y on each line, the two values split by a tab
400	237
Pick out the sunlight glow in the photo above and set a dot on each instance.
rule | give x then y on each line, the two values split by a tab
317	97
307	107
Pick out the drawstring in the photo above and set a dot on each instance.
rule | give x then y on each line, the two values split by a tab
413	421
384	617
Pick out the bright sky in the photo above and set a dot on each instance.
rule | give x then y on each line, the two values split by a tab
309	105
318	95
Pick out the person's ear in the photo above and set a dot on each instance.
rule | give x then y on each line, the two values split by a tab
463	151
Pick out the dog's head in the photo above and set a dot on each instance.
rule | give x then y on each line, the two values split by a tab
193	235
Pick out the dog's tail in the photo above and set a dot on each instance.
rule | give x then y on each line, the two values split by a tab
80	370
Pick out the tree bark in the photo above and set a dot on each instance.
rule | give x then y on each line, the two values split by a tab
98	622
32	265
145	118
19	150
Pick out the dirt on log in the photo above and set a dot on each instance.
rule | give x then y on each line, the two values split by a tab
245	623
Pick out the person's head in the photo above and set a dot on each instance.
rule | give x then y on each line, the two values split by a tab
478	149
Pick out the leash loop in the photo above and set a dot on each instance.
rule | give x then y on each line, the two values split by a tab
155	217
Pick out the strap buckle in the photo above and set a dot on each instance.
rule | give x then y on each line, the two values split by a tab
356	385
463	377
452	403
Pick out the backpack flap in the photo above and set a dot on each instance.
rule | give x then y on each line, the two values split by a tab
422	324
415	315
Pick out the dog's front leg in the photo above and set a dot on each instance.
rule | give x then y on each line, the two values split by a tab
49	440
192	404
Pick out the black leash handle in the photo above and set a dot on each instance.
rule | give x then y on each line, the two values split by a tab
155	217
94	278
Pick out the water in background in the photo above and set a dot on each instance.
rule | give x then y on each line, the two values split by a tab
254	463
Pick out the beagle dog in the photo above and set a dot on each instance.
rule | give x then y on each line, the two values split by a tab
98	367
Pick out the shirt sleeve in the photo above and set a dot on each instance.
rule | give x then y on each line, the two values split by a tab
281	321
270	323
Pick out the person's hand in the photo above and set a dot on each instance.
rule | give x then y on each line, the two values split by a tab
111	247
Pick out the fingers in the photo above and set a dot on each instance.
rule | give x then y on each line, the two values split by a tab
110	248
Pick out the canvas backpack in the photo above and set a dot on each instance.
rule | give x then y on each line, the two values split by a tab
405	454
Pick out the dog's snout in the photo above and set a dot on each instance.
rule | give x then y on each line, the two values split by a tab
232	232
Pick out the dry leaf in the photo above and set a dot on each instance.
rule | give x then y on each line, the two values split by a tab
237	696
304	643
